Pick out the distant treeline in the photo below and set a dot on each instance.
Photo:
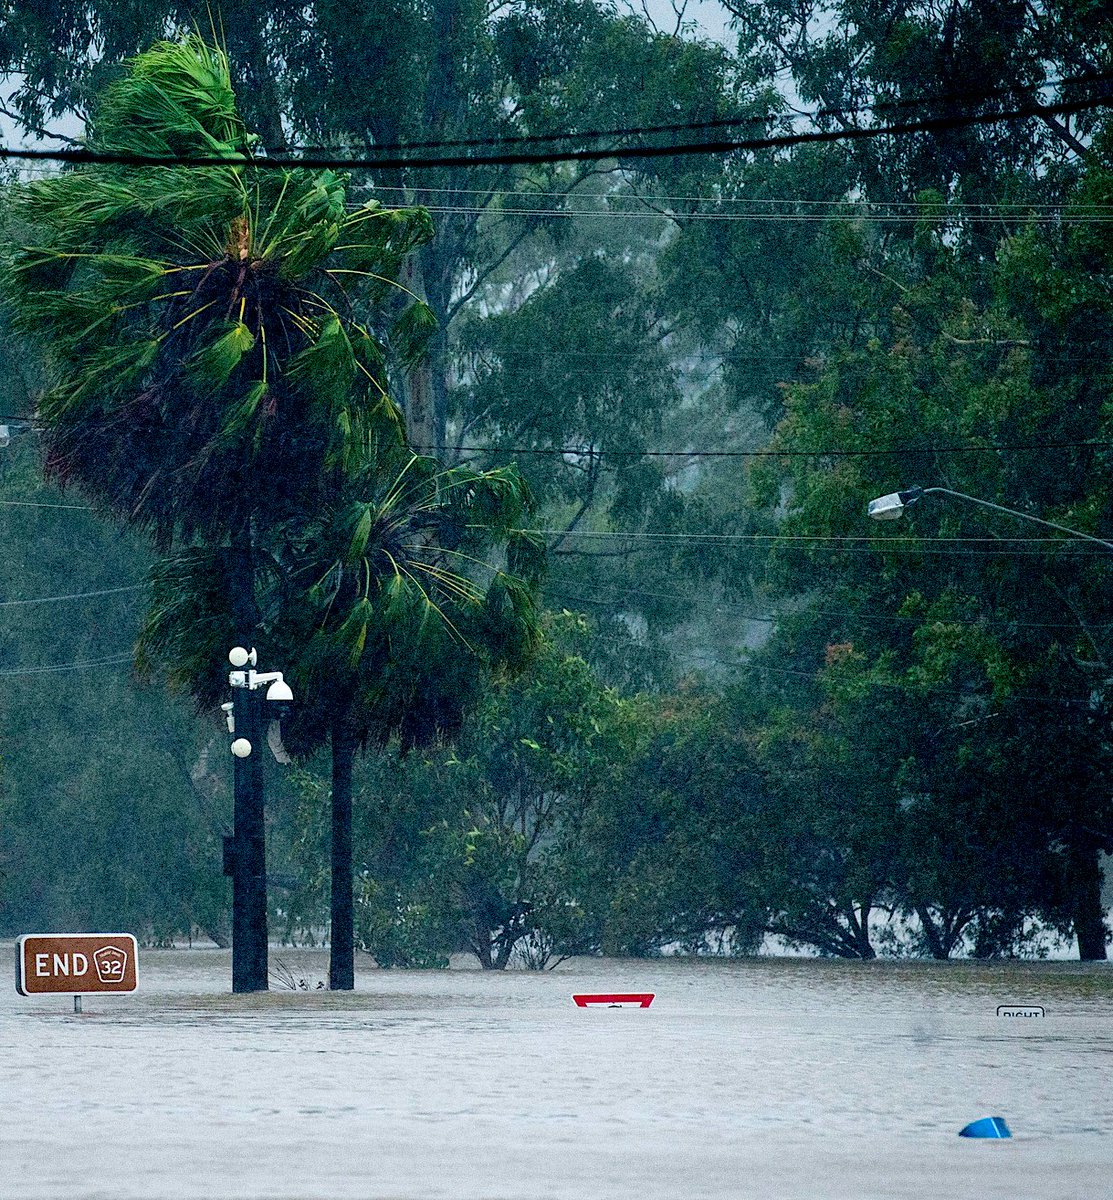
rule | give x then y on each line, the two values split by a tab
754	712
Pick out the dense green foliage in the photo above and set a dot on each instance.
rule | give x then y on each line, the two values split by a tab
114	802
771	717
153	293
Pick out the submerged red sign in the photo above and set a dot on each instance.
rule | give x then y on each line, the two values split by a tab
615	999
76	963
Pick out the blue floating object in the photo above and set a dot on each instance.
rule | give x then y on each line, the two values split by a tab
987	1127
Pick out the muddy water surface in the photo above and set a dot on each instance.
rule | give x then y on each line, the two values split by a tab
779	1078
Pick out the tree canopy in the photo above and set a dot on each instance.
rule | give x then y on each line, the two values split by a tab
830	734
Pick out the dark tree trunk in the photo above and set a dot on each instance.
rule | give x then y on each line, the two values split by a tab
216	934
865	947
943	934
1089	916
418	385
481	944
341	967
931	934
858	939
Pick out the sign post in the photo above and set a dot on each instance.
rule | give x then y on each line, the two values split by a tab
76	964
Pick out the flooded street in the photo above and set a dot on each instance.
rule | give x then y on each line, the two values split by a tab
799	1079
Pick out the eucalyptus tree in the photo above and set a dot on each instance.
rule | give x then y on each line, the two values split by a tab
870	62
1007	637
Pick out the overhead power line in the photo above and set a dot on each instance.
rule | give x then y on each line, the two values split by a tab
51	668
983	548
44	504
395	161
597	452
133	587
817	539
972	96
943	207
588	452
821	218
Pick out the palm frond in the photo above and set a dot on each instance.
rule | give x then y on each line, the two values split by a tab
175	99
189	624
409	335
239	416
212	365
327	366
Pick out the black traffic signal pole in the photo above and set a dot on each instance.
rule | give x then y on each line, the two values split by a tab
249	858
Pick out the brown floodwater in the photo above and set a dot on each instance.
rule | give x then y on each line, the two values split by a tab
793	1079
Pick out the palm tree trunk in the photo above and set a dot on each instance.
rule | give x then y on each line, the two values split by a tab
341	967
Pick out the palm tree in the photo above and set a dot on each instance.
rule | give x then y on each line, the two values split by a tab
205	328
216	338
390	607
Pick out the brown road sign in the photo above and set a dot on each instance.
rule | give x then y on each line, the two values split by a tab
76	963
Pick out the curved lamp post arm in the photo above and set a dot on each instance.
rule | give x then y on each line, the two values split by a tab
891	506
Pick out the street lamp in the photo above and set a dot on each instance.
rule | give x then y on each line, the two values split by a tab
892	506
245	856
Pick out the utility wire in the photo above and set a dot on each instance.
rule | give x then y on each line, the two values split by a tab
977	547
596	452
650	214
113	660
759	119
85	157
942	207
784	537
874	106
585	452
43	504
881	545
134	587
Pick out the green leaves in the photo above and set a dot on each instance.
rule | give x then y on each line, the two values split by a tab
175	99
189	624
327	366
111	375
350	637
301	253
402	612
376	237
239	417
212	366
214	306
409	335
